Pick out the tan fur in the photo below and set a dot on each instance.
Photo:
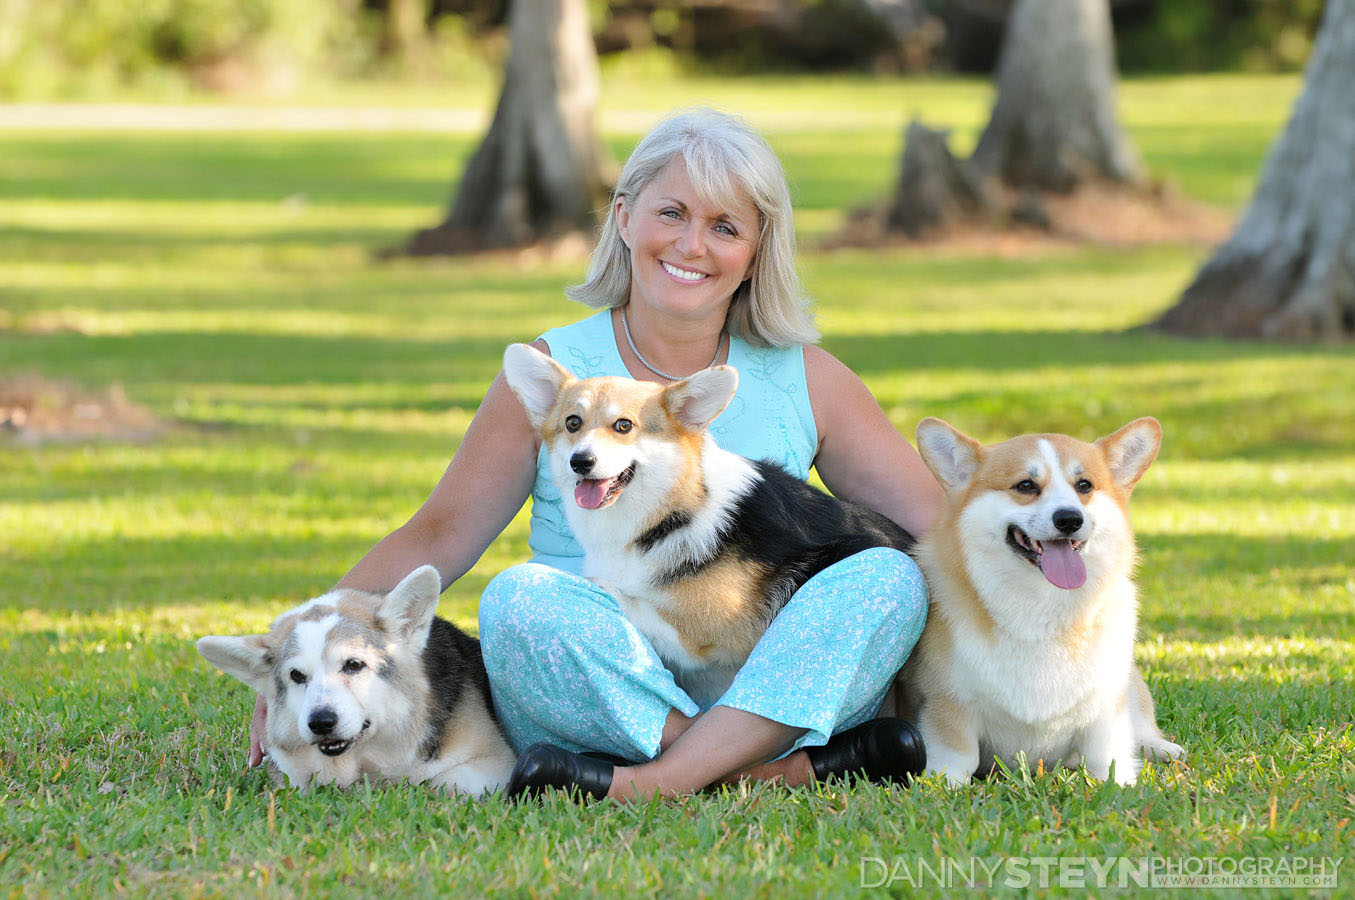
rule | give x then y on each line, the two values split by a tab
964	646
720	610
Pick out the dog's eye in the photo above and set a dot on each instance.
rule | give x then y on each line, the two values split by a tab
1083	486
573	424
1026	486
353	666
298	677
622	426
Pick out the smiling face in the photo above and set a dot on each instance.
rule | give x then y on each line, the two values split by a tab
687	256
1043	502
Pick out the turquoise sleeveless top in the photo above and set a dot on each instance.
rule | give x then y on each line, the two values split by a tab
769	418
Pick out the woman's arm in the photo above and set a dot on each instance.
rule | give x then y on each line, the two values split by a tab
861	456
487	482
485	485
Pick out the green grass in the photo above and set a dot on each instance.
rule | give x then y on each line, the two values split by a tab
312	396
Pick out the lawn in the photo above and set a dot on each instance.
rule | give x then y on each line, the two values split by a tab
311	393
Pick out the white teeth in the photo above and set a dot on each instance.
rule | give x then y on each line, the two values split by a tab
681	273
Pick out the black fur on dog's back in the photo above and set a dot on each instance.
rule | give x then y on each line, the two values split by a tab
453	665
795	531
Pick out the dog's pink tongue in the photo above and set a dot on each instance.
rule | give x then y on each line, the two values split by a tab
1063	565
591	491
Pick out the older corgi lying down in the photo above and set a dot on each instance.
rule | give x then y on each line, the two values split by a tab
360	685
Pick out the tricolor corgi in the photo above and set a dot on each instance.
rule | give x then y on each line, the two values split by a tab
358	684
1029	643
700	546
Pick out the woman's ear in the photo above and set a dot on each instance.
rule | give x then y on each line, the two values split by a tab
621	211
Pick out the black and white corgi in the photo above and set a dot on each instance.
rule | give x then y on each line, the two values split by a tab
359	684
701	547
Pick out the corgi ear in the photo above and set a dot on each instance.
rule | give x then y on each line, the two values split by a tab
952	455
535	378
245	658
1131	450
695	402
407	611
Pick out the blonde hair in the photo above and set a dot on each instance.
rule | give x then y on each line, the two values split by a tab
723	156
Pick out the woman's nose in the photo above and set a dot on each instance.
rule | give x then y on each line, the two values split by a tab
690	241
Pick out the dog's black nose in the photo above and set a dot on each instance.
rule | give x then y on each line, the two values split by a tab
1067	519
322	721
582	462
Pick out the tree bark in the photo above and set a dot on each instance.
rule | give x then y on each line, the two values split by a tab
1054	124
935	188
1288	271
539	171
402	33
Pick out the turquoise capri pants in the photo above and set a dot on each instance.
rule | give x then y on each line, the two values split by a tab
566	666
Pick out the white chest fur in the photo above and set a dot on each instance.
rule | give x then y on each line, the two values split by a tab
1036	693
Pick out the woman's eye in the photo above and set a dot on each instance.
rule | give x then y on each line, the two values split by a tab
573	424
1026	486
670	213
622	425
353	666
298	677
726	229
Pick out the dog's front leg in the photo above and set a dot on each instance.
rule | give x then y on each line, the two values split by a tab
951	738
1147	736
1111	741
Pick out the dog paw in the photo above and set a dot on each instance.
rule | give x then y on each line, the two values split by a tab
955	776
1163	750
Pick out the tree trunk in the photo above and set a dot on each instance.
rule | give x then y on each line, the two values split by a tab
1054	124
1288	271
934	187
402	32
538	172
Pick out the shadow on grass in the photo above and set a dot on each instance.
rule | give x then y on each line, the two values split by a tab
125	245
1004	351
241	358
1184	592
184	167
1093	380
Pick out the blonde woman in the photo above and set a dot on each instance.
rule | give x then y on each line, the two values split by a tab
695	267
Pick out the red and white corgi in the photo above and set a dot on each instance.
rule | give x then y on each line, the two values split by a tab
1029	643
700	546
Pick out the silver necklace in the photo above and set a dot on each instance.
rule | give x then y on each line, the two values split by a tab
625	326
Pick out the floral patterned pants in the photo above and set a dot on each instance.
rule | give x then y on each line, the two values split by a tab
567	666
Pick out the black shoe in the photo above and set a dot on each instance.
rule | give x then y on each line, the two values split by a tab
881	750
543	766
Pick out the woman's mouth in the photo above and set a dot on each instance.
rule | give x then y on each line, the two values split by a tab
685	275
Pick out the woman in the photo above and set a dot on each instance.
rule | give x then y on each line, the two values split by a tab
694	268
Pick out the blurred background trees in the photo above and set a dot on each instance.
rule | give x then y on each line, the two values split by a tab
60	48
1288	271
540	172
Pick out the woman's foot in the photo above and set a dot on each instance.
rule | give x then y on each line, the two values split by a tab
881	750
543	767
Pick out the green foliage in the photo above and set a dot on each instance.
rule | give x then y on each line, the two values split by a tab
311	396
1201	35
92	46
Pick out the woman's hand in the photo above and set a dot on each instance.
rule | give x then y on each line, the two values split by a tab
257	725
